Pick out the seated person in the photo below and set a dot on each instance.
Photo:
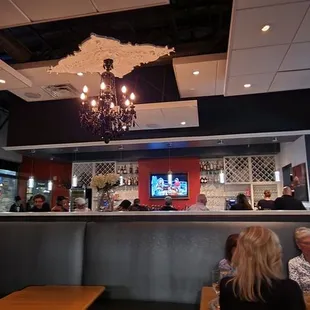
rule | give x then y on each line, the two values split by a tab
62	204
136	206
287	201
242	203
168	205
230	246
80	205
267	203
200	205
299	266
259	283
124	205
17	206
39	204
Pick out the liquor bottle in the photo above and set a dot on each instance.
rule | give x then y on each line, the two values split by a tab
122	170
201	180
137	181
130	169
211	165
137	169
204	166
125	170
208	166
129	183
118	170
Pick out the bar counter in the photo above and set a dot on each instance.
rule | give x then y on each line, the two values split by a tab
160	216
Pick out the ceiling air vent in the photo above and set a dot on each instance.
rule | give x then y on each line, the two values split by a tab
61	91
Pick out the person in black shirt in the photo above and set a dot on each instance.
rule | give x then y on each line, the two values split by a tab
287	201
258	283
242	203
168	205
17	206
266	203
136	206
40	205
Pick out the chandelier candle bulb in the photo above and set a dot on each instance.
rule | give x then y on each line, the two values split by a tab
85	89
102	86
112	105
124	89
93	103
127	102
132	97
83	96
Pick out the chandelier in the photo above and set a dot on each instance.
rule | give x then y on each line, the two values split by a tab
106	115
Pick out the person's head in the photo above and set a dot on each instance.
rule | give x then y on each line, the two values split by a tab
125	204
287	191
230	246
302	238
168	201
243	201
136	202
80	203
201	198
267	193
257	259
61	201
18	200
38	201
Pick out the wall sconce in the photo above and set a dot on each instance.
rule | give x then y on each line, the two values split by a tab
74	181
277	176
222	177
31	182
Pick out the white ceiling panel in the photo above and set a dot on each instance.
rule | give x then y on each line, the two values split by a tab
297	57
290	80
121	5
38	10
220	78
10	15
257	60
208	82
245	4
260	83
284	25
303	33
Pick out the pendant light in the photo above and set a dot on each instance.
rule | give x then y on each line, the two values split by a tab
31	177
74	181
121	178
222	177
169	175
50	182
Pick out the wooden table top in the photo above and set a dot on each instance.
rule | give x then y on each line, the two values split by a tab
52	297
207	294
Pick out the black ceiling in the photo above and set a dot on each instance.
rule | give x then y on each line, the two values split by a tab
191	26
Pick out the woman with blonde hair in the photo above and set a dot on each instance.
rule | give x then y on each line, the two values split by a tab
299	266
258	283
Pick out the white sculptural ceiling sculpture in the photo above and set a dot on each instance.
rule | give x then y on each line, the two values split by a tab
89	59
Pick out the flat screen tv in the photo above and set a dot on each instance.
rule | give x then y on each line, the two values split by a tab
160	187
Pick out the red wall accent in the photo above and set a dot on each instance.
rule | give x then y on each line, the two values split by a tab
186	165
41	171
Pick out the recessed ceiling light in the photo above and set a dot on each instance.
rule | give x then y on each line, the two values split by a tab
196	72
265	28
80	74
2	81
183	123
247	85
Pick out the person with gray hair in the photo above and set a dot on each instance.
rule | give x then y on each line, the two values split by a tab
200	205
287	201
80	205
299	266
168	205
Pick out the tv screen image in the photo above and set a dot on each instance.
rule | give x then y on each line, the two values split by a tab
160	188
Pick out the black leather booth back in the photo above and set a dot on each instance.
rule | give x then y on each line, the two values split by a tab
163	261
36	253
